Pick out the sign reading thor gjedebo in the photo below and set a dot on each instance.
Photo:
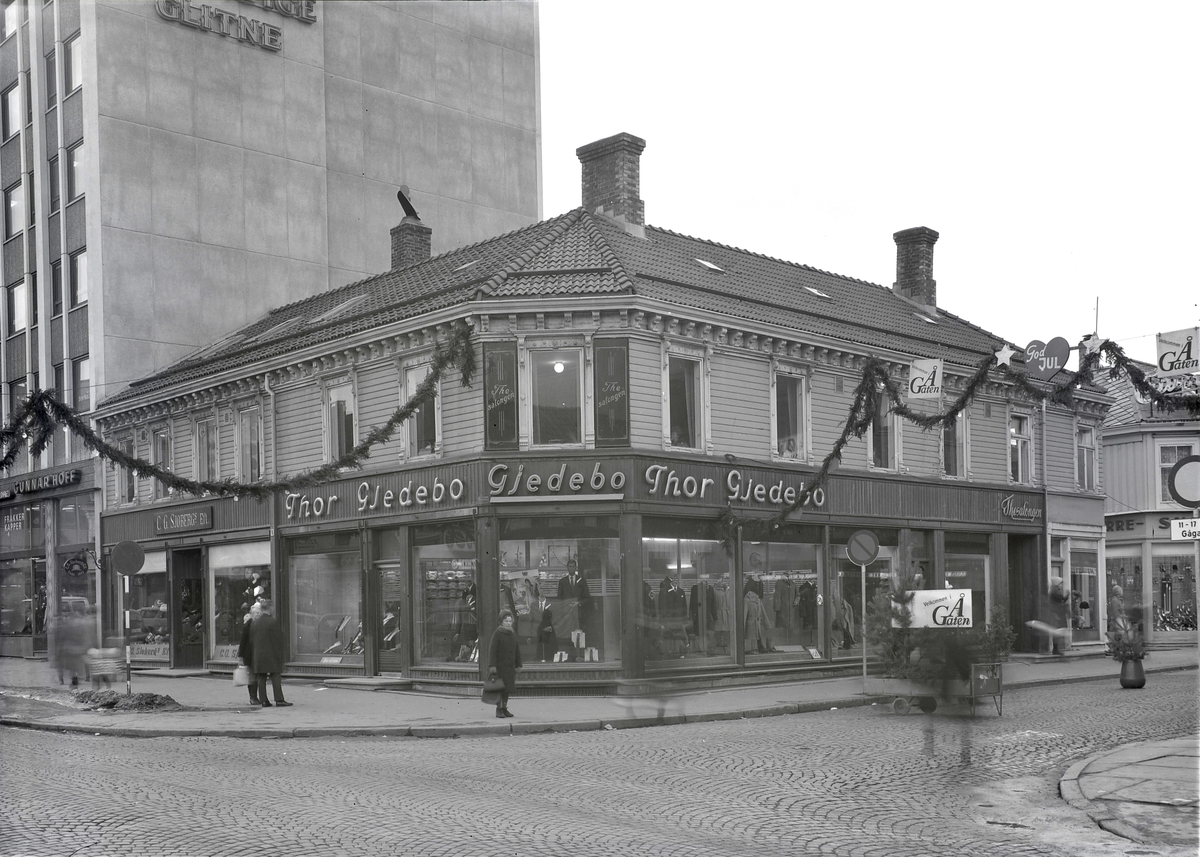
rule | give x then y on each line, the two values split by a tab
939	608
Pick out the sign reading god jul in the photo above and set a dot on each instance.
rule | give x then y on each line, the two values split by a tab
939	608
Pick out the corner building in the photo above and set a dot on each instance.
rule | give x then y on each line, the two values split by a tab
633	386
172	170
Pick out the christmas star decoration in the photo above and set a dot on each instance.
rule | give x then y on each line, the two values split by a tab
1004	355
1091	343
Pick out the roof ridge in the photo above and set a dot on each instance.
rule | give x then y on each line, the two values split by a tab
607	252
553	233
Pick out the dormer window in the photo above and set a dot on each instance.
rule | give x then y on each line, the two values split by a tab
924	318
710	266
818	293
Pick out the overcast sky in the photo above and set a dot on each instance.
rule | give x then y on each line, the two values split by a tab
1053	145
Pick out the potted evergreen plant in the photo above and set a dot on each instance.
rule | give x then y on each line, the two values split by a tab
1127	646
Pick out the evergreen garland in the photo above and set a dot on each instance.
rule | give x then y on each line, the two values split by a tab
42	414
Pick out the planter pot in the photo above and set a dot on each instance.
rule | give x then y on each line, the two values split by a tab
1132	674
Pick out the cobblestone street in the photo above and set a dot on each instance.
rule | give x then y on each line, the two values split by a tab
860	781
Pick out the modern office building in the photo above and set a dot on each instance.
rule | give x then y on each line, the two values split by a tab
172	170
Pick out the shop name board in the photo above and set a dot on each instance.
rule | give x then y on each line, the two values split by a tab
503	483
1010	507
50	480
663	481
232	25
185	521
1120	525
372	496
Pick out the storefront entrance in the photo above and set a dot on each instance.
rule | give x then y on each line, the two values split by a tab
187	610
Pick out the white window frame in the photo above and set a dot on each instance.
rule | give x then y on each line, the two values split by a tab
12	18
1161	470
14	210
73	60
13	115
161	491
340	388
75	173
78	271
962	442
700	355
206	424
802	374
893	427
18	307
1021	440
240	462
526	356
1086	472
413	374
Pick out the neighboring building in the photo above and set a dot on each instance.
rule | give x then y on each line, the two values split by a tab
634	385
1141	445
173	170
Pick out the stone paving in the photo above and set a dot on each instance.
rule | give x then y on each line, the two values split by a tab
856	781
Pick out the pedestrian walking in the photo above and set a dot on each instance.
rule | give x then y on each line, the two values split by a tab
267	653
71	642
504	659
245	656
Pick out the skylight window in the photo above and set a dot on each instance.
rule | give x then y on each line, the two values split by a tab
340	309
711	266
465	266
281	328
924	318
818	292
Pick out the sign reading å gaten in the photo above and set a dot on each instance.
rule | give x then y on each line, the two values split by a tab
939	608
251	31
184	520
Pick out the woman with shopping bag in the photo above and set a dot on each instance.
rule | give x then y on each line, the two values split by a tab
504	659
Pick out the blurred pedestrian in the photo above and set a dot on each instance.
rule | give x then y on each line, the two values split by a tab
71	642
1118	624
245	649
504	659
267	654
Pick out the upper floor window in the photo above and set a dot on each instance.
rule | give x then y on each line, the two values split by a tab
556	384
1168	455
17	394
685	401
500	395
74	173
12	111
1019	440
14	210
954	446
249	440
51	81
79	281
81	384
611	397
1085	458
208	462
18	307
160	456
883	434
60	447
340	423
55	188
790	408
423	426
73	63
126	480
56	287
11	11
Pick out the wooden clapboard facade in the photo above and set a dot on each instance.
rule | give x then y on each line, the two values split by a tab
632	386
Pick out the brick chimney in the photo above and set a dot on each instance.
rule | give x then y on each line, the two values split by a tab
411	242
914	265
612	179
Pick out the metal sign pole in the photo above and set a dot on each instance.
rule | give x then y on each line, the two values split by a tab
863	619
128	665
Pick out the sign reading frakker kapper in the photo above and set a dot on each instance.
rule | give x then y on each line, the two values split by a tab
1177	352
925	379
939	608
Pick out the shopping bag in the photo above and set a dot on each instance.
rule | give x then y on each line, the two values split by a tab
241	676
491	689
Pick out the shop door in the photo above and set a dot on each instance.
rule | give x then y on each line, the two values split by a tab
393	600
187	610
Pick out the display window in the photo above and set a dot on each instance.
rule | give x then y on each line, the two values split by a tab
1173	586
1084	590
23	597
844	610
688	595
77	521
149	610
1123	569
782	592
324	596
968	567
21	528
238	576
445	609
561	579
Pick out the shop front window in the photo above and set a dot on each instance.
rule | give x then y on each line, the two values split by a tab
1125	573
22	597
149	610
1084	591
561	579
967	567
688	596
782	592
446	611
844	610
325	598
1173	587
239	575
77	521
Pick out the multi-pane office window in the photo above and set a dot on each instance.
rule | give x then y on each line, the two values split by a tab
75	173
61	443
341	420
18	307
73	64
160	455
422	428
207	460
14	210
954	445
11	9
51	81
1085	458
1168	455
883	434
789	416
79	283
556	390
12	112
249	445
1019	439
684	406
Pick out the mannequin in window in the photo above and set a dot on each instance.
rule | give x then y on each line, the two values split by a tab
703	613
464	628
547	640
571	611
672	615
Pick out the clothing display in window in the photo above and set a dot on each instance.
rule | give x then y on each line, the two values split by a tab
464	628
571	608
547	640
672	617
758	625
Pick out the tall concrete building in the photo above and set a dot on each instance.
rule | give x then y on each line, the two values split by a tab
172	170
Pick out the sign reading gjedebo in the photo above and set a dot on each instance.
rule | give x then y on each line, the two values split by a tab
1177	352
939	608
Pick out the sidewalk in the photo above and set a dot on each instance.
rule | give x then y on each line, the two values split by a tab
1135	791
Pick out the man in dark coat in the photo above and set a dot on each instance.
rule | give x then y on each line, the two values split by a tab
244	649
504	659
267	653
